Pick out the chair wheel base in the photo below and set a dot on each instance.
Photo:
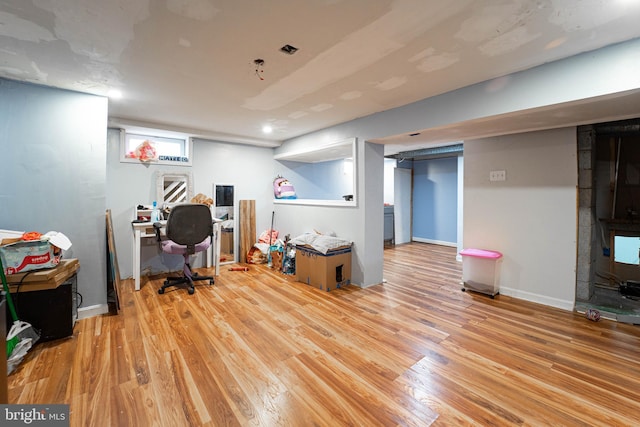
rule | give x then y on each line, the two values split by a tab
177	281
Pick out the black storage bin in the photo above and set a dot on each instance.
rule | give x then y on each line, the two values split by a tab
52	311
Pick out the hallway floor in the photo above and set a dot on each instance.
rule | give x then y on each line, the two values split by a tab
613	305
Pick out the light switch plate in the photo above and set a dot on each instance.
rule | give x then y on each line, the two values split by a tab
497	176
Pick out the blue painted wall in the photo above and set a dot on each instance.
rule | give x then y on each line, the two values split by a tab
53	174
435	199
322	180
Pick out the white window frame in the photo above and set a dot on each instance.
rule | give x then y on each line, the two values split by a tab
184	159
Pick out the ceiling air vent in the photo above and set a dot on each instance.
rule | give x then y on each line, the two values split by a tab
288	49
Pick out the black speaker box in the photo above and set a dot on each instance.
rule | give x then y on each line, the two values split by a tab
51	311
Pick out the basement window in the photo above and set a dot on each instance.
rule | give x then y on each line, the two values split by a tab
159	150
627	250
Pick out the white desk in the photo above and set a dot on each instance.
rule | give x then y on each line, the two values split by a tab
145	230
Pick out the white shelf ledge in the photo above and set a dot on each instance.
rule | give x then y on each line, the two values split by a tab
315	202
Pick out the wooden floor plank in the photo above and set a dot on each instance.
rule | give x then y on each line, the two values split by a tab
258	348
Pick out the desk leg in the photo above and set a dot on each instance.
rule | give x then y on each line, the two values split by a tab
213	259
136	259
216	253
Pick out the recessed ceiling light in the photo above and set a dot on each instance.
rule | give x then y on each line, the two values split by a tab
114	94
267	129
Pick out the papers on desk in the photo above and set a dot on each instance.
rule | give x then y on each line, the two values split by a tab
58	239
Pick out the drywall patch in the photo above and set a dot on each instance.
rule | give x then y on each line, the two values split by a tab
99	30
10	71
348	96
202	10
184	42
40	75
583	15
101	73
495	20
25	69
429	61
20	29
321	107
394	30
508	42
297	114
9	52
555	43
391	83
422	55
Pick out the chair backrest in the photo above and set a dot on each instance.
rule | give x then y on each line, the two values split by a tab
189	224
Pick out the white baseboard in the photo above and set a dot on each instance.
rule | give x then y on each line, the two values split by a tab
92	311
369	285
435	242
540	299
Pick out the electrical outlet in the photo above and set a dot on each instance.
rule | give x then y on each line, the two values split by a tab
497	176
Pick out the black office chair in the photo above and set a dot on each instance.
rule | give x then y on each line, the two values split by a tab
189	229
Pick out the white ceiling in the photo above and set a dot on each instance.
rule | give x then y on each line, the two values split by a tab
188	65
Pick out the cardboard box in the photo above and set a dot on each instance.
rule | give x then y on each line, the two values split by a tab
49	278
326	272
25	256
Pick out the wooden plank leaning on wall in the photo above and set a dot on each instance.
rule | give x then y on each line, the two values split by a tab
247	227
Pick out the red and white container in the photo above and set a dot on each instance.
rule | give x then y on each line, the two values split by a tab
481	270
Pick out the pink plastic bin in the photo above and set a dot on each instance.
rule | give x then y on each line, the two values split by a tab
481	270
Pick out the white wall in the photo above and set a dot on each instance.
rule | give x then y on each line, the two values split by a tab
361	224
460	212
389	166
370	193
531	217
592	74
249	168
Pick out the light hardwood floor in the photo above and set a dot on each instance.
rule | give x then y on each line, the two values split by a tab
259	349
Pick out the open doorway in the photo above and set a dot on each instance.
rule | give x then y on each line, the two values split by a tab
425	188
608	276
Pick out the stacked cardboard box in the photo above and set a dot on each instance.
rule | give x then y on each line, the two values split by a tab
39	280
324	271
